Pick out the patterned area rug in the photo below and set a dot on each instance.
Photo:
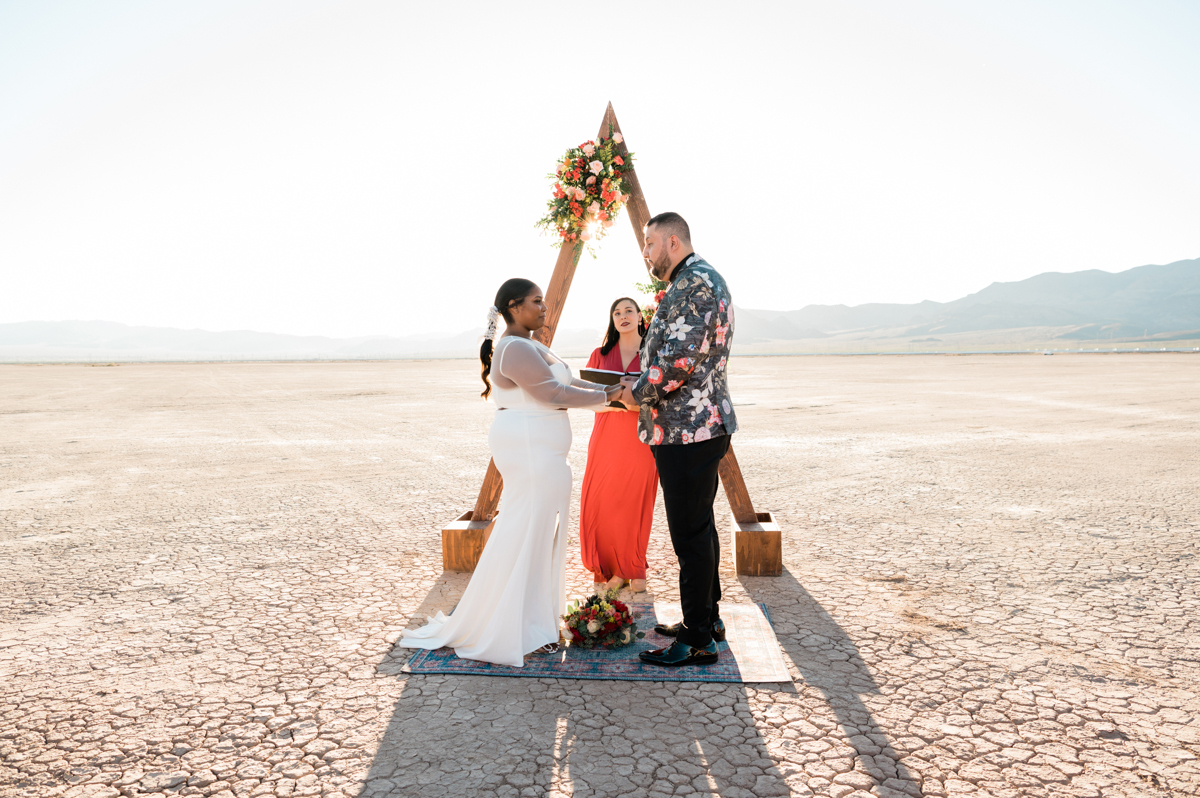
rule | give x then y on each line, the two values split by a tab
750	654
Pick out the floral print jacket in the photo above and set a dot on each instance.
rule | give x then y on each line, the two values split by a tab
683	390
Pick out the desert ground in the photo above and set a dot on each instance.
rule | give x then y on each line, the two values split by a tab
990	587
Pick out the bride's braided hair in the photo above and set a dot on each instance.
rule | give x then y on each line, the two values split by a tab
512	292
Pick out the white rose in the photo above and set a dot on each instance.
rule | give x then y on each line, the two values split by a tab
593	626
588	149
594	208
586	236
596	167
580	194
617	137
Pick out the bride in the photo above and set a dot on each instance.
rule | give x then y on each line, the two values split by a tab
517	594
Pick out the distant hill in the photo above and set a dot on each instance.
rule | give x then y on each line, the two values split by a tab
104	340
1149	303
1089	305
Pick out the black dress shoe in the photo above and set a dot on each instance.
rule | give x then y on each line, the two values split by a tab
672	630
678	654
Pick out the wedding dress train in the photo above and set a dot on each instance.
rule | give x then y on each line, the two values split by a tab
517	594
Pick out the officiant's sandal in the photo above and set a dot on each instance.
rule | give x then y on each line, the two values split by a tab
672	630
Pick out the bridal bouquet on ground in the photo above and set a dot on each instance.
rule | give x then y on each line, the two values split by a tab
588	191
602	621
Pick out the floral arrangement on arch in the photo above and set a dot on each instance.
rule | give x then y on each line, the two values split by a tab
656	288
602	621
588	192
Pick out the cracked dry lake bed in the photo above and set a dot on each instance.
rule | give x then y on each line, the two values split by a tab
990	587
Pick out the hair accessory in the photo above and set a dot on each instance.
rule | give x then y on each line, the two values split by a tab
493	314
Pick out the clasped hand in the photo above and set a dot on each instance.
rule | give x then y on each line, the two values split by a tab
626	395
622	396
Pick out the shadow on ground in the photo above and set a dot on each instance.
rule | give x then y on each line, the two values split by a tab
831	667
482	735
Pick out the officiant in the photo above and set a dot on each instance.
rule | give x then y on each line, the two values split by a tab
616	506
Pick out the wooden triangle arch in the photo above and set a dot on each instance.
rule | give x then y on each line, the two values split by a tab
757	548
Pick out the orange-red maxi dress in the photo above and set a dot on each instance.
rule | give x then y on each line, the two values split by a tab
619	485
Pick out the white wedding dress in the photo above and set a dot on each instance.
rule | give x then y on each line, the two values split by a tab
517	594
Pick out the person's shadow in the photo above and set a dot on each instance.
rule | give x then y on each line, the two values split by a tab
505	736
829	662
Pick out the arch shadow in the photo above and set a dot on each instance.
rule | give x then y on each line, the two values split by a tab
828	661
505	736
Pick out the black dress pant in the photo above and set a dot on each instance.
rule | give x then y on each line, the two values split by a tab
688	476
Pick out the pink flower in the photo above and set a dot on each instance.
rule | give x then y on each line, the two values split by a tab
721	331
588	149
596	167
585	236
608	222
672	385
714	416
591	180
617	137
624	198
702	434
580	194
594	208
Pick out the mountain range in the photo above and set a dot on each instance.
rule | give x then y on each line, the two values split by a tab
1148	303
1162	302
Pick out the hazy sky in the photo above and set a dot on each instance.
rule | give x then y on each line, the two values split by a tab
359	168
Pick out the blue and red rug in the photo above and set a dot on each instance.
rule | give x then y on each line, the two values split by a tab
750	653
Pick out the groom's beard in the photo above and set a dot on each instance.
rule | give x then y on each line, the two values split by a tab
661	268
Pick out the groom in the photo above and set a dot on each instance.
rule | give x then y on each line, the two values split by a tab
686	416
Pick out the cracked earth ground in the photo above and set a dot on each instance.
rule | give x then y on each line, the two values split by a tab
990	587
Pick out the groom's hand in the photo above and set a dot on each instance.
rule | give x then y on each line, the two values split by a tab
626	397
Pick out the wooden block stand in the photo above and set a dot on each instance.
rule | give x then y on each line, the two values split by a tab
757	546
463	540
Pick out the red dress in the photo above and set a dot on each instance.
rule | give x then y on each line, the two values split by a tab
619	486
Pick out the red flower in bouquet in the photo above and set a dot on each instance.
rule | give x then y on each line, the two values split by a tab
656	288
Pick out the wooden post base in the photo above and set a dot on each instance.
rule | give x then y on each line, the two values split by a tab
462	542
757	546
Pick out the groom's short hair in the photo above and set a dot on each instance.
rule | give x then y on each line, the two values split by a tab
672	224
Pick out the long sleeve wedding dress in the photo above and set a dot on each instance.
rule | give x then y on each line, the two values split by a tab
517	594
